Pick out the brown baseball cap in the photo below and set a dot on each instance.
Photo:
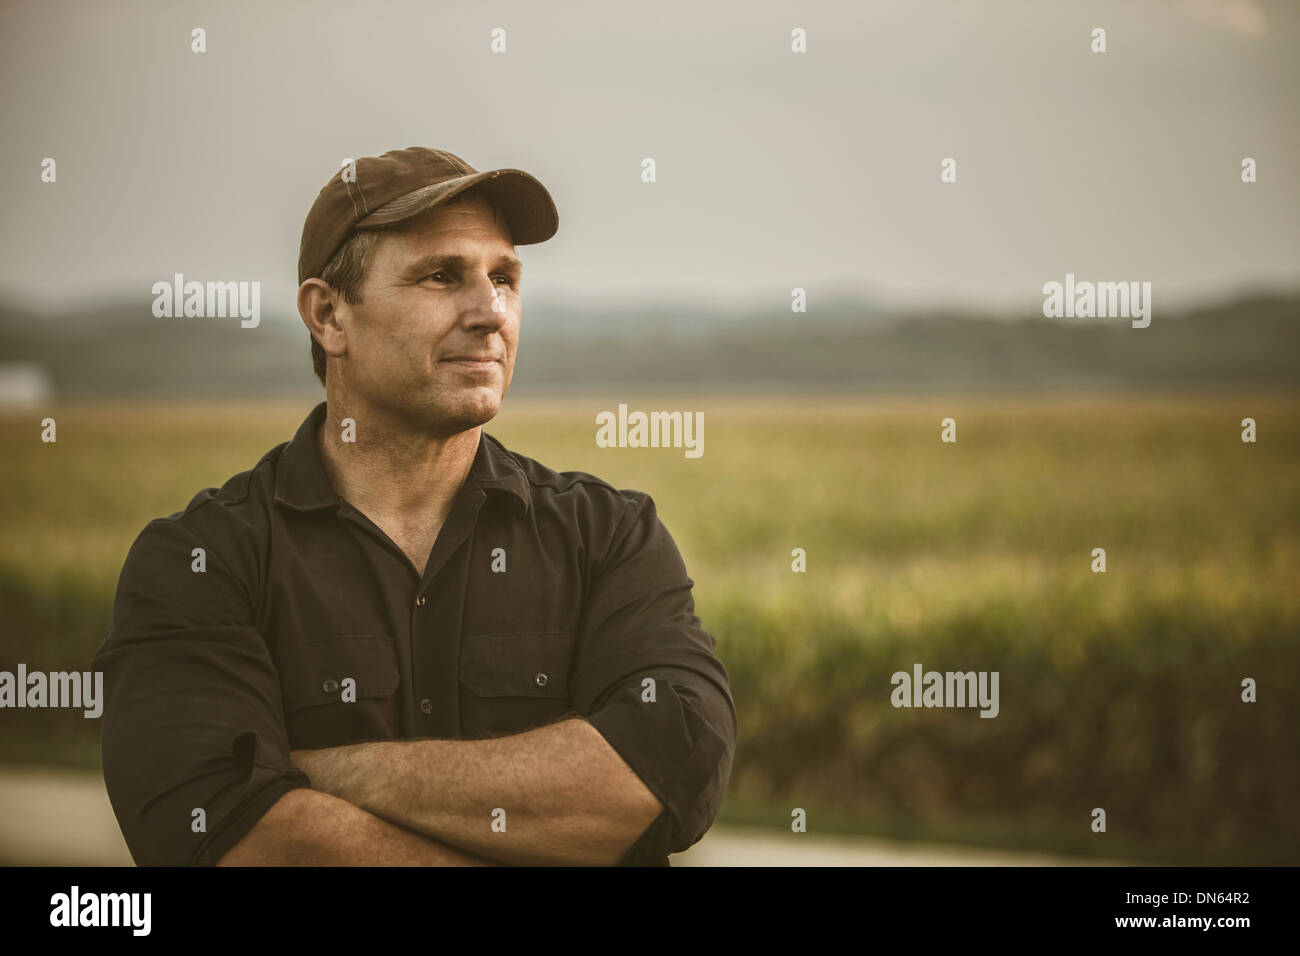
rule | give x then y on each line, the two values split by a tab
403	183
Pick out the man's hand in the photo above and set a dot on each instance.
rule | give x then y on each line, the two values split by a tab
558	794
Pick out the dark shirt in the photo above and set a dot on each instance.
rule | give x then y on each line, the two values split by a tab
546	594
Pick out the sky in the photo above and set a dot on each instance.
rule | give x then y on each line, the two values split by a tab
775	170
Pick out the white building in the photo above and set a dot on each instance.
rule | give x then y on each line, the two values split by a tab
24	384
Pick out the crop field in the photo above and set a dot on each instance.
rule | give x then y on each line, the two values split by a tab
1119	690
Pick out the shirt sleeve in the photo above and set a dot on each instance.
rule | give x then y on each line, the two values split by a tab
647	678
194	745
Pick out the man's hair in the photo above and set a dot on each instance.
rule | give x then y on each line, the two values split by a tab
346	271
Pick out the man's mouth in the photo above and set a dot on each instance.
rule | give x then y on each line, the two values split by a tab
472	361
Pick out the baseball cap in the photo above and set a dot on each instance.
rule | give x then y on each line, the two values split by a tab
403	183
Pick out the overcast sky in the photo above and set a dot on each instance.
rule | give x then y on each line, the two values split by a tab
775	169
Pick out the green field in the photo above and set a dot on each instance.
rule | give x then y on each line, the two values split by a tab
1119	690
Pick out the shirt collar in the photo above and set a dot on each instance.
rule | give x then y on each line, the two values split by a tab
301	481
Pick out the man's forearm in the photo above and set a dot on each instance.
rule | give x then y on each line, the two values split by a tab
555	794
308	828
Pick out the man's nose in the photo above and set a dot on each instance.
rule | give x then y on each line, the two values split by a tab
487	302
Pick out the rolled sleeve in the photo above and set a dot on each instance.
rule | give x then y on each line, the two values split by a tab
639	623
193	719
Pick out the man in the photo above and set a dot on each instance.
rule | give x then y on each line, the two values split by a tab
393	640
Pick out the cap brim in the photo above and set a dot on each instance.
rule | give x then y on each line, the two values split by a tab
529	210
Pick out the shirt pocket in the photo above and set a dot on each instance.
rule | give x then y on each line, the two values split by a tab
339	690
511	682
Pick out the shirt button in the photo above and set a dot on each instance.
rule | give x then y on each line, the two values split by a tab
426	705
330	686
540	680
419	602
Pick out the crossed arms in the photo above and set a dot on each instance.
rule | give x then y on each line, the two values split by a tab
558	794
200	770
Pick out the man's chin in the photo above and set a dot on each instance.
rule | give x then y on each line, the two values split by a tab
469	410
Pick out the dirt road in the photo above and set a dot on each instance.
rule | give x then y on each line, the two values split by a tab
59	817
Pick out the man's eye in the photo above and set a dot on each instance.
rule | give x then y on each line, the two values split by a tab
435	275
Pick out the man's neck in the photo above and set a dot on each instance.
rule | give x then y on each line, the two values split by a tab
392	474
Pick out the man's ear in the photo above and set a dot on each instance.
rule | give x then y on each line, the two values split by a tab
318	304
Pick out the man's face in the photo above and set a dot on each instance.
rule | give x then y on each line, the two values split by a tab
434	336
